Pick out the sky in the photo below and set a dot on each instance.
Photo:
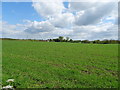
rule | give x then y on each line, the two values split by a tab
45	20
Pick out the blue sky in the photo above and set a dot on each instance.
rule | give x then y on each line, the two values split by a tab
16	12
47	20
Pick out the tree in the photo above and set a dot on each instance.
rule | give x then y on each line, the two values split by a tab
56	40
67	39
96	41
71	40
85	41
50	40
60	38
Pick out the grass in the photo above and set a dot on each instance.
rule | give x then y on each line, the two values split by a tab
60	65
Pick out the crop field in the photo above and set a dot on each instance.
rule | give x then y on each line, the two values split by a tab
59	64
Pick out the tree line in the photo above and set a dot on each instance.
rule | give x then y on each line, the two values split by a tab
67	39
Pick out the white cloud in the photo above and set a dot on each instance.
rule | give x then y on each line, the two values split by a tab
8	29
80	21
36	27
63	20
91	32
45	30
78	6
12	31
95	14
35	31
49	9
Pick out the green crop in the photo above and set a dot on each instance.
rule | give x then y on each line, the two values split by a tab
59	65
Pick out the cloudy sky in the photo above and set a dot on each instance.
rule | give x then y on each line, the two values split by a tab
45	20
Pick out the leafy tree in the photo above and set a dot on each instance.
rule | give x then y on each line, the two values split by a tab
67	39
56	40
97	41
71	40
61	38
85	41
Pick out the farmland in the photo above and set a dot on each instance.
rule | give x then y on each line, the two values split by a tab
59	64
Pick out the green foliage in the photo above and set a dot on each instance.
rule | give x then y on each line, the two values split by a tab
67	39
70	40
60	65
61	38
